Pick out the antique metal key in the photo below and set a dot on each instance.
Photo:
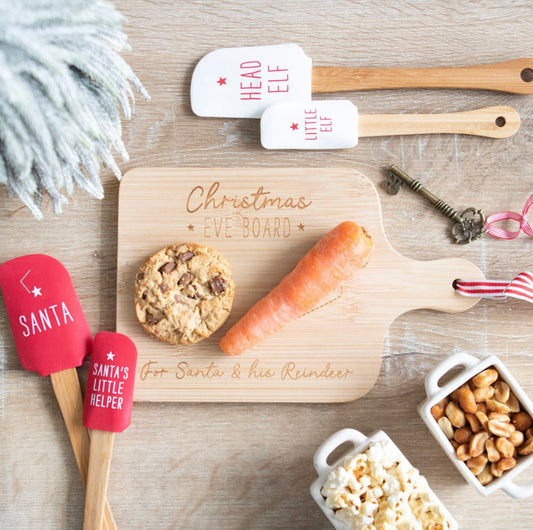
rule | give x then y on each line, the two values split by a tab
468	225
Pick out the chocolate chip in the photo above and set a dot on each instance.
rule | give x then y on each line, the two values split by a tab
164	287
144	295
185	279
218	284
140	276
150	319
185	256
167	268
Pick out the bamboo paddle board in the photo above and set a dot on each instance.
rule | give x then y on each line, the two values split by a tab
263	220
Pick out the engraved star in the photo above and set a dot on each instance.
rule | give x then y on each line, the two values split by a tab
191	228
36	292
294	126
222	81
110	356
301	227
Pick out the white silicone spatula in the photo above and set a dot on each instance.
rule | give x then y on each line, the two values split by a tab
242	82
336	124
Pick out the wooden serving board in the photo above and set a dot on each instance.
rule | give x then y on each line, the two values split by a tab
263	221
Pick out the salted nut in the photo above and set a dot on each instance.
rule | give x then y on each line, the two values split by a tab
486	425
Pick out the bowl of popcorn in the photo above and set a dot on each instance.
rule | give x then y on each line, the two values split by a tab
482	418
374	486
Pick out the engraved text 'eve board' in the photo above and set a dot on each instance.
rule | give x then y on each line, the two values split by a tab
263	221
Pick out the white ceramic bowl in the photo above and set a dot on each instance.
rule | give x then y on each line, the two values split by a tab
361	442
435	393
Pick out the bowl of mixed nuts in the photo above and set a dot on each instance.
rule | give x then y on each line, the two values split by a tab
482	418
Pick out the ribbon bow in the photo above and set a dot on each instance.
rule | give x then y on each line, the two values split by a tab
520	287
507	234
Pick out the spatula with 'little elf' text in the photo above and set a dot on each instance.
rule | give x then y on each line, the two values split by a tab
52	338
336	124
107	410
242	82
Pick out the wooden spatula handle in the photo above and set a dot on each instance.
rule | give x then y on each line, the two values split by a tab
99	464
493	122
68	394
512	76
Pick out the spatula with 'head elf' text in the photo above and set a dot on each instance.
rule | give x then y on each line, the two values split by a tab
336	124
52	338
243	82
107	410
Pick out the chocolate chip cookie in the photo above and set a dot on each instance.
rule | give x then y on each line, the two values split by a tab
183	293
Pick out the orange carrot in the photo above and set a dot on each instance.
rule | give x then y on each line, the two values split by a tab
331	261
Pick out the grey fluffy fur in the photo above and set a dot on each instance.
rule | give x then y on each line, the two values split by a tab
62	88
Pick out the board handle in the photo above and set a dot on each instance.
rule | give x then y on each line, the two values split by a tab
68	394
492	122
432	287
514	76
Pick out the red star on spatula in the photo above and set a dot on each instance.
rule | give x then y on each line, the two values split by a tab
222	81
294	126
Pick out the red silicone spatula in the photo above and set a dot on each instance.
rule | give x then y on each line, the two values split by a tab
107	410
52	338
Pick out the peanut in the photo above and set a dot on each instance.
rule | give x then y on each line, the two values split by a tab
529	433
477	464
462	452
485	476
477	444
482	418
499	428
475	424
522	421
500	417
492	453
455	415
526	448
467	399
437	410
512	403
496	406
502	465
505	447
517	438
485	378
501	391
482	407
446	427
455	444
463	435
484	393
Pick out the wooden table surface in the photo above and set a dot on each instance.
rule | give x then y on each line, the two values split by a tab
203	465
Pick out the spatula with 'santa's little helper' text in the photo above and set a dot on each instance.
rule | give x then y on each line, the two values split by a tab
336	124
52	338
107	410
242	82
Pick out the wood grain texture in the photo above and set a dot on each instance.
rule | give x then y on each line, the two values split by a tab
333	353
97	479
509	76
249	465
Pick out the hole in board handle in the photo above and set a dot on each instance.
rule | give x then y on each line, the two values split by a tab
527	75
500	121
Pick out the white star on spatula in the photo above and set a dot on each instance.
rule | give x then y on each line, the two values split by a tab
110	356
36	292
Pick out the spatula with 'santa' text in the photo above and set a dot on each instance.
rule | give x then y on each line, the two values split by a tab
242	82
52	338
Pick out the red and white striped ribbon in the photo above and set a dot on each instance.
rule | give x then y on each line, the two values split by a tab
520	287
507	234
